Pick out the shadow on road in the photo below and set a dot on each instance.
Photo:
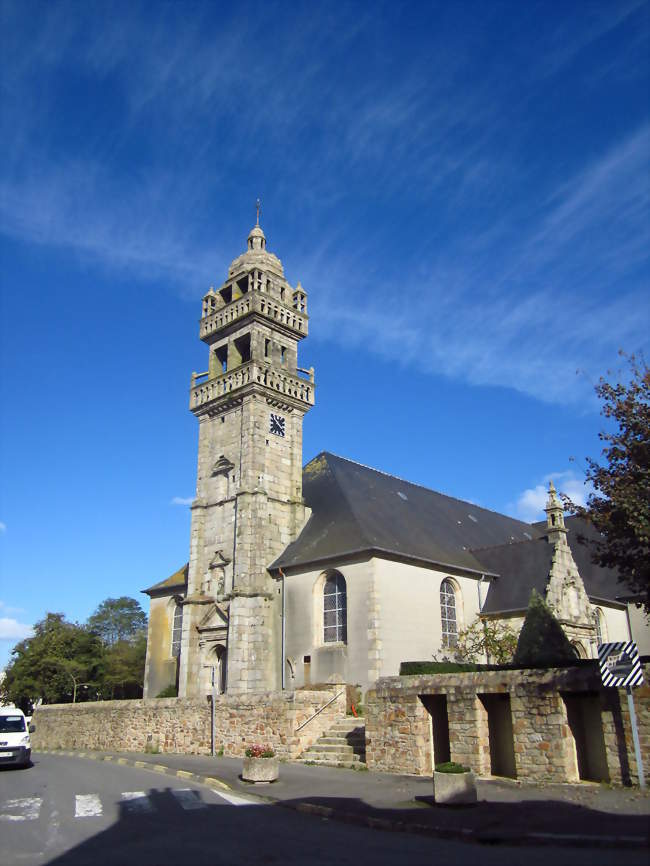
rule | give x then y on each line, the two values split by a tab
221	833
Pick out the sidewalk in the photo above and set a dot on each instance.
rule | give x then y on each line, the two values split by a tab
507	812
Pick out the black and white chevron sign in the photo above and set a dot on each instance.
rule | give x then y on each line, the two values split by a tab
619	664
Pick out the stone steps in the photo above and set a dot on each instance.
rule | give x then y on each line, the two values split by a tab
343	745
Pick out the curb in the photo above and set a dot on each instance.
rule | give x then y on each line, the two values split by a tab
162	769
390	825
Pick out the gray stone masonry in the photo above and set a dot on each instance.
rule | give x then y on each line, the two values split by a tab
399	735
182	725
249	504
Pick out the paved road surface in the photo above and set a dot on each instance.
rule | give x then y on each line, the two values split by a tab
70	811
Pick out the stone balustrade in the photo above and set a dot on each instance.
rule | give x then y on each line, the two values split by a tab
252	372
255	302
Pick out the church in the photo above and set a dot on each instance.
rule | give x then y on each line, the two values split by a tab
335	571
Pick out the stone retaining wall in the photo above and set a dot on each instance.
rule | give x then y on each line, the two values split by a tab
399	732
183	724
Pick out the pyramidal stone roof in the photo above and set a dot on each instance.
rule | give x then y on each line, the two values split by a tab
358	509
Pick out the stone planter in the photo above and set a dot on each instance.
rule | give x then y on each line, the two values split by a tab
260	769
454	789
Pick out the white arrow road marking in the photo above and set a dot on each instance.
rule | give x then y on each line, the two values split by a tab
188	798
87	806
234	800
136	801
22	809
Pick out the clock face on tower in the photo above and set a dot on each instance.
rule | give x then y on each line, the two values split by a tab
277	424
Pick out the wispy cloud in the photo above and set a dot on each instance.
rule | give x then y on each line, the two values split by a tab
530	503
493	287
3	527
570	36
180	500
534	305
11	629
8	609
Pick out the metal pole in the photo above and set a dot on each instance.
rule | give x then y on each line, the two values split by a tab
212	716
284	635
635	737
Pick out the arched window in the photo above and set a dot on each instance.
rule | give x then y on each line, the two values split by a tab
448	614
177	630
599	625
221	656
335	615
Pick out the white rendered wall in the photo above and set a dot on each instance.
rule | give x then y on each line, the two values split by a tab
304	634
393	616
409	598
640	629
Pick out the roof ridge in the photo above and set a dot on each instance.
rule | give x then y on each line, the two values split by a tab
423	487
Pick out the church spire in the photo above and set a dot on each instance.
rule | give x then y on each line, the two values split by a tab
554	515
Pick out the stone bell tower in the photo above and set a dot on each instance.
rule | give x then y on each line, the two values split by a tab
250	405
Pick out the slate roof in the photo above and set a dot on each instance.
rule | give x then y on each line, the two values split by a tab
599	582
177	579
358	509
521	568
524	567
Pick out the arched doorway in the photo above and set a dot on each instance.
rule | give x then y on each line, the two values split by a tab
579	648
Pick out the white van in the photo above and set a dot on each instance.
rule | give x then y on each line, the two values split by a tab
15	747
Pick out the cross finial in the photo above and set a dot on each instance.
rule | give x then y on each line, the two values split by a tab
258	207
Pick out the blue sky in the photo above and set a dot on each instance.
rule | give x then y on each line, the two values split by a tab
462	188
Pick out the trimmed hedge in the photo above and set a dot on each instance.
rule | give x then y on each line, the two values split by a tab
409	669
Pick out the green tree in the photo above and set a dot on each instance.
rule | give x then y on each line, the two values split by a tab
490	639
61	661
118	619
542	641
124	668
619	508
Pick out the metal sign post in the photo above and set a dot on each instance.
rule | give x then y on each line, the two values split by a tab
620	668
212	717
635	736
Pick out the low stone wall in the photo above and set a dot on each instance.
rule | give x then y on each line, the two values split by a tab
400	736
183	725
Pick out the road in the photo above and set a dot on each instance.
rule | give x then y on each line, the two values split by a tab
71	811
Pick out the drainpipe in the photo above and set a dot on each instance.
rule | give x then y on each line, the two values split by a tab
629	621
480	606
284	634
478	589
